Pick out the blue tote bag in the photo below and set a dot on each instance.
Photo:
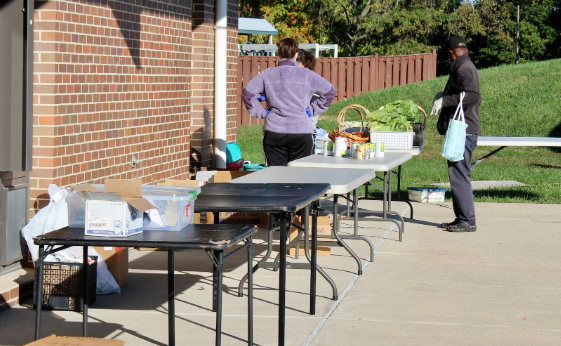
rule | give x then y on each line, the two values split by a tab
455	139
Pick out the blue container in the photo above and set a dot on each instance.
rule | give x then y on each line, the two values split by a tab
253	166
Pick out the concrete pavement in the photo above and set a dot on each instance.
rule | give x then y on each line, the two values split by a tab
497	286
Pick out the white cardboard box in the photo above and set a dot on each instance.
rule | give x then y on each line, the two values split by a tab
108	215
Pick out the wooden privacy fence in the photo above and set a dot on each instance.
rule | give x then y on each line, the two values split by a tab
349	76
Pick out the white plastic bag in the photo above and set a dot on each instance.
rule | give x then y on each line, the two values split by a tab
54	216
105	281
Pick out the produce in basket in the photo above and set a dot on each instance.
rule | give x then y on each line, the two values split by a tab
395	116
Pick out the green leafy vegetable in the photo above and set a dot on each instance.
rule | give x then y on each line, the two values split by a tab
395	116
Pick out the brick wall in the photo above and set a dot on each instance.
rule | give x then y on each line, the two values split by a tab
113	79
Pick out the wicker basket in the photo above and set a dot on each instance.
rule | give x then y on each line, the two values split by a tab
359	136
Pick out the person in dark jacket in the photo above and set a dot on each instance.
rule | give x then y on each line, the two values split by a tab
463	78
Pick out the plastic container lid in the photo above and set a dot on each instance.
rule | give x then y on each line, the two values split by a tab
253	167
426	188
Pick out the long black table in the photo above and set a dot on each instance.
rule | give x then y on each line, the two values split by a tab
214	239
284	199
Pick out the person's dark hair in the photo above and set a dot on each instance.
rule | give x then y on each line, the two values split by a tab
307	59
287	48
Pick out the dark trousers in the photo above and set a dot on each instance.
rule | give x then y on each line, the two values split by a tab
281	148
460	182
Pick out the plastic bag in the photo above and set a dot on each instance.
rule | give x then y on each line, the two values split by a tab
105	281
55	216
52	217
454	143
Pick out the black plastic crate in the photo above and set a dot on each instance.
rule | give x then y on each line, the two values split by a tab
62	283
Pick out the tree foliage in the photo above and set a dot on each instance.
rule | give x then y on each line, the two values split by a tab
395	27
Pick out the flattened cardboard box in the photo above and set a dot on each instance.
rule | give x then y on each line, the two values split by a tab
260	220
54	340
117	260
324	229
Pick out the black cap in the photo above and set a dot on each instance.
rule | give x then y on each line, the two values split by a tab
457	42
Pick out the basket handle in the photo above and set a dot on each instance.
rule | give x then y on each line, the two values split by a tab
425	113
356	107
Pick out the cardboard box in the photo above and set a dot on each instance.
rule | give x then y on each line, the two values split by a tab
54	340
117	212
184	183
117	260
260	220
324	229
219	176
108	215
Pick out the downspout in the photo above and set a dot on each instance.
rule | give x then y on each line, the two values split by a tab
220	83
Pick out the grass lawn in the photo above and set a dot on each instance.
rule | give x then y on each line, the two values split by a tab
518	100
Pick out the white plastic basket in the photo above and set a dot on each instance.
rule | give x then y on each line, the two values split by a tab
393	140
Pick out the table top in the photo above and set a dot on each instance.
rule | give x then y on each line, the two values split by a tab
389	161
519	141
341	180
415	151
265	198
212	237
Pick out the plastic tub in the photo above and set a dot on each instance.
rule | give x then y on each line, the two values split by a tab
426	194
175	205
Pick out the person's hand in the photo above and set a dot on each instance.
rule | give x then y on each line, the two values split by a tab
436	103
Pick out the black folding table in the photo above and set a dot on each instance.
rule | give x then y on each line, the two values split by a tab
285	199
214	239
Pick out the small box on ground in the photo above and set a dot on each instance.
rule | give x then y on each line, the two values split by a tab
54	340
117	260
426	194
62	284
324	230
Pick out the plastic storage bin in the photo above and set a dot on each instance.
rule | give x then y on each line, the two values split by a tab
426	194
175	205
62	285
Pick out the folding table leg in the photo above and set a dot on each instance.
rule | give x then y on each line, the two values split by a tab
214	270
282	279
250	291
85	292
171	298
313	271
220	270
39	293
338	237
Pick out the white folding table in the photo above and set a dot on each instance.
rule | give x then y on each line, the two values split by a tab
342	181
503	142
382	164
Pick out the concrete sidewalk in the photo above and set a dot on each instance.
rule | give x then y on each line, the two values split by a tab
497	286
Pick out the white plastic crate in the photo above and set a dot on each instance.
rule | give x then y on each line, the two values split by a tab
426	194
393	140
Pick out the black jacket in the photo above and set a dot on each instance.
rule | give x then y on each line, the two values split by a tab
463	77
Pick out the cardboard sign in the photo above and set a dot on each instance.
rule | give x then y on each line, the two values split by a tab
324	229
117	260
260	220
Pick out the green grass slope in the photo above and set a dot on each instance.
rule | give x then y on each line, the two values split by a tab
519	100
